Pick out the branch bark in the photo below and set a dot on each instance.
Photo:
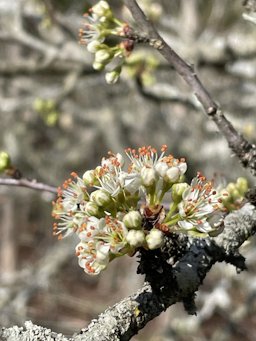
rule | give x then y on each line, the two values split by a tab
127	317
32	184
245	151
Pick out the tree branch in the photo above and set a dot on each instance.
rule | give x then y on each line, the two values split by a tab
127	317
245	151
32	184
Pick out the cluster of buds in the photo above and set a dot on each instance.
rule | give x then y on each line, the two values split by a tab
114	209
235	194
100	25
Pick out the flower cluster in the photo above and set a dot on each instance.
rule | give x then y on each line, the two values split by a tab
114	209
100	25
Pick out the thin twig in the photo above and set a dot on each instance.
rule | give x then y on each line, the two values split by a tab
245	151
32	184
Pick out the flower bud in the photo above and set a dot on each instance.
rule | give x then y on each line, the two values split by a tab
135	238
98	66
173	174
177	191
161	168
242	185
231	187
91	209
235	194
102	56
100	197
102	254
89	177
182	167
5	161
155	239
100	8
132	220
93	46
148	176
112	77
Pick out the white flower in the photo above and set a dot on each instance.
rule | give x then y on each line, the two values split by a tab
66	210
90	257
199	202
155	239
131	182
91	227
114	234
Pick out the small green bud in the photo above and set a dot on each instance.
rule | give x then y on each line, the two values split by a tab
98	66
102	56
236	194
89	177
231	187
91	209
135	238
5	161
242	185
100	197
225	196
178	190
132	220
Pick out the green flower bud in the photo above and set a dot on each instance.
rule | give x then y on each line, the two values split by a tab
102	56
242	185
178	190
5	161
91	209
135	238
98	66
236	194
231	187
155	239
132	220
89	177
100	197
225	196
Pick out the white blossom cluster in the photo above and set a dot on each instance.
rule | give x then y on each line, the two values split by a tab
114	209
101	24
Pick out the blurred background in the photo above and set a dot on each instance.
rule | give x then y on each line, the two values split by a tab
57	115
